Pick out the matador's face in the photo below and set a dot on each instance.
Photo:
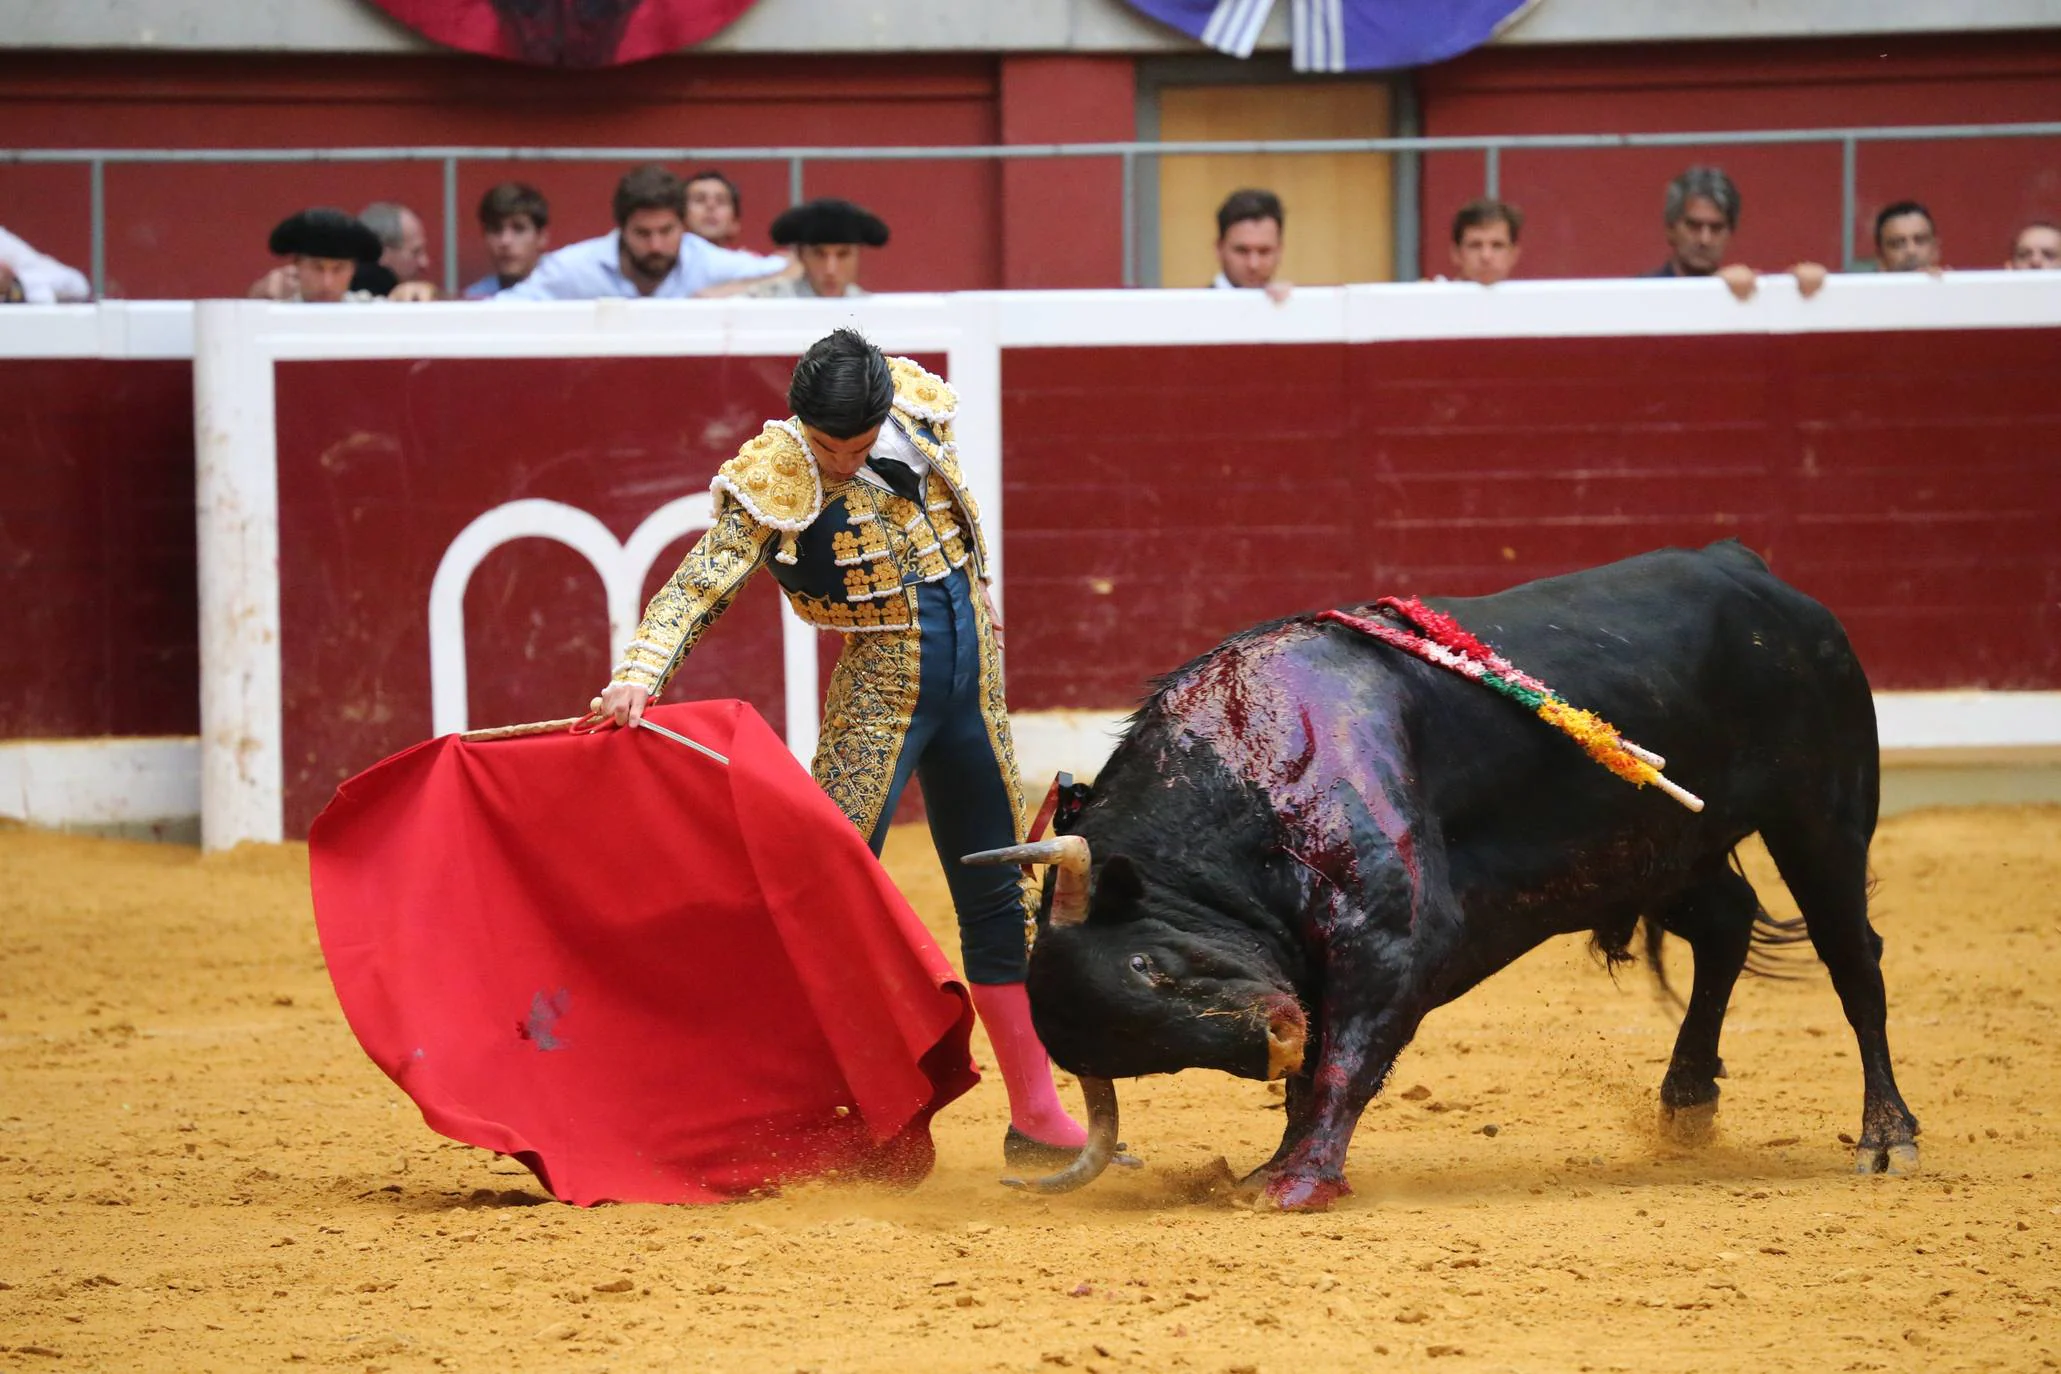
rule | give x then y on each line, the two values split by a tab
841	458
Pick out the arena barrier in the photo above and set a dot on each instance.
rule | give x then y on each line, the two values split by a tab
415	518
99	700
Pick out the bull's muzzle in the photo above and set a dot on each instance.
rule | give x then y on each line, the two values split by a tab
1287	1034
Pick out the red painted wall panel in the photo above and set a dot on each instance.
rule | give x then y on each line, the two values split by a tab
1159	499
199	230
382	464
1597	213
98	589
1064	221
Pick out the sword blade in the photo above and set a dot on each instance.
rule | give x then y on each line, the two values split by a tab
675	735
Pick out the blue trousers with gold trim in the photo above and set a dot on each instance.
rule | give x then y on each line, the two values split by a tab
929	704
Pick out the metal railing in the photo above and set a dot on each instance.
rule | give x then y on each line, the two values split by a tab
1491	147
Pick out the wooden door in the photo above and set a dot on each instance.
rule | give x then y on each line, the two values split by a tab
1340	206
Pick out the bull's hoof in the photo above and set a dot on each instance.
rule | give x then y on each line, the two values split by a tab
1695	1124
1898	1161
1294	1192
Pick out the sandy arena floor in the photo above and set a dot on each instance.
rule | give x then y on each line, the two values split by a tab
200	1171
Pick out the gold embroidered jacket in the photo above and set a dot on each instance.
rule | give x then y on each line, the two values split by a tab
849	555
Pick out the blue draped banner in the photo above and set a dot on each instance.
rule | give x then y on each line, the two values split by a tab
1345	35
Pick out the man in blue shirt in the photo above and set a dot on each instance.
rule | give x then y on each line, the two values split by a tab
515	225
650	253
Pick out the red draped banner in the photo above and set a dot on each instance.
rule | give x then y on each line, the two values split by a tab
567	33
649	976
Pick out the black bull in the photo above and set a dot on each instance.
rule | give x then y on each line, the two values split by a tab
1307	840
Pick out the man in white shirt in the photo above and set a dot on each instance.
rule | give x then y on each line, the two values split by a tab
37	278
650	253
1250	224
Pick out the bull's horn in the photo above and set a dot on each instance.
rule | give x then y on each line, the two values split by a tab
1095	1156
1069	853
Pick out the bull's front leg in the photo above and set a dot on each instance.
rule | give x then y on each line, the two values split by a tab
1371	938
1325	1101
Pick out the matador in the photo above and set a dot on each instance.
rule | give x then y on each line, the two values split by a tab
857	504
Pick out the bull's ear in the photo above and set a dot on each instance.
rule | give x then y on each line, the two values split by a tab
1117	885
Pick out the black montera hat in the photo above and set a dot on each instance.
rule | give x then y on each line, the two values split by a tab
829	221
325	233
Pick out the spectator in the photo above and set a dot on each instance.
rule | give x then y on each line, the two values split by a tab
33	278
2037	248
1485	241
829	236
714	209
1250	224
327	247
514	220
1701	213
1905	239
404	247
649	253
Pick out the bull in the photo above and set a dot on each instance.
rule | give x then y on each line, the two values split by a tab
1306	840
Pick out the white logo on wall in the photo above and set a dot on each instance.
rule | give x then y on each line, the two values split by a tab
622	568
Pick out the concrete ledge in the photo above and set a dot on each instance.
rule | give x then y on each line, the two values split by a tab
138	788
1914	787
1938	748
1969	728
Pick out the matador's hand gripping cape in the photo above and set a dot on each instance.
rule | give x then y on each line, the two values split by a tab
649	976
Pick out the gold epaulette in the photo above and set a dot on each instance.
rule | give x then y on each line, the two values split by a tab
923	395
775	480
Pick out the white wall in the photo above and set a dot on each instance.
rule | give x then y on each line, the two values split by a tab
787	26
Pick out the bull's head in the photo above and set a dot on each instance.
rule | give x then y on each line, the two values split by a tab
1117	989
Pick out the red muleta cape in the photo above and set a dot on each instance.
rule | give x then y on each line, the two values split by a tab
647	976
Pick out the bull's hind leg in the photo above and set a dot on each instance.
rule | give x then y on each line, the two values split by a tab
1826	868
1716	917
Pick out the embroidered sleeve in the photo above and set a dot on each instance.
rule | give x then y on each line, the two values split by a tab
710	575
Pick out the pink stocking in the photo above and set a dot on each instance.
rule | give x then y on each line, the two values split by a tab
1034	1106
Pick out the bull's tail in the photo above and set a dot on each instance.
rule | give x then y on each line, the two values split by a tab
1765	950
1767	940
1764	953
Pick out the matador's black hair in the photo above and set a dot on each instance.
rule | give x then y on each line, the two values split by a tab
841	385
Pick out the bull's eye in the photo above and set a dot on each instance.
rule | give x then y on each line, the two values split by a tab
1140	965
